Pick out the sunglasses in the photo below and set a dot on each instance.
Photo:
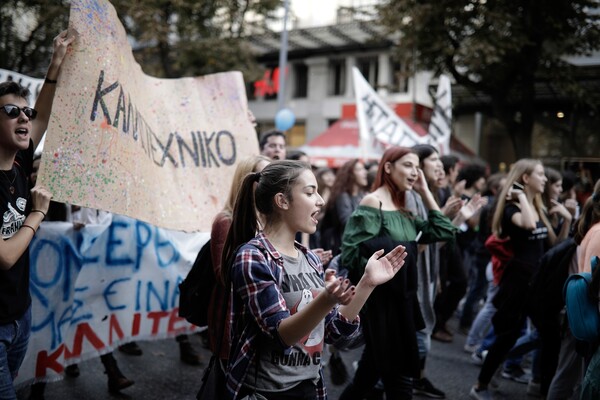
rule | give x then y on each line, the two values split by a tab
13	111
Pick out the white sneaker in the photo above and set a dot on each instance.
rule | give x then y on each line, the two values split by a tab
470	348
480	395
479	358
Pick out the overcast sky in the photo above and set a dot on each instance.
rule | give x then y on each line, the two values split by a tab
318	12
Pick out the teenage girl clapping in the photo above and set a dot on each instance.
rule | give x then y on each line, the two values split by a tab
283	306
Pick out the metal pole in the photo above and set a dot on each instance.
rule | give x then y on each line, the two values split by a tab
414	91
283	58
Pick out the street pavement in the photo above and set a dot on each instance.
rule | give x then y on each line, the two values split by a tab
160	375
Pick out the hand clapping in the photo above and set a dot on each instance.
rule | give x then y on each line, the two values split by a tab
381	269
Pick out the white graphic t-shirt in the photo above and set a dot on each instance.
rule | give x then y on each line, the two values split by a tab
279	371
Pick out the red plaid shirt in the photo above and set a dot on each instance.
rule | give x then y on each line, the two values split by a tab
257	308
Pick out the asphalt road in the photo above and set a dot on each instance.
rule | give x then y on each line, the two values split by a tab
160	375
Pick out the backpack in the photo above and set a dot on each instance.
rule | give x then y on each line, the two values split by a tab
501	252
196	289
546	299
582	306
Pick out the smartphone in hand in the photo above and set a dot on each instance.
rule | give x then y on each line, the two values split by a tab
517	186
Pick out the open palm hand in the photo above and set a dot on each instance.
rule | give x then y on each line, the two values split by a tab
381	269
473	206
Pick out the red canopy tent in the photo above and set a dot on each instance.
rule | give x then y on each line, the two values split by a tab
340	143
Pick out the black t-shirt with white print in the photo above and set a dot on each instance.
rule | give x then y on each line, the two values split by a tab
528	245
14	283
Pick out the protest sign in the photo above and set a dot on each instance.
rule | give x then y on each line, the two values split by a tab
379	126
158	150
102	286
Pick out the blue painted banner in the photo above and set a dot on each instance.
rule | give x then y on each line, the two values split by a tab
101	286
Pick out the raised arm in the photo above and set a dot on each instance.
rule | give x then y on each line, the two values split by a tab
43	105
422	188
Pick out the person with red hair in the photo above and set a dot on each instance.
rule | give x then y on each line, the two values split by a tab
392	316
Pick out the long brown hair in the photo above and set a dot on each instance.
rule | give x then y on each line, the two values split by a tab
553	177
244	167
522	167
344	182
391	155
277	177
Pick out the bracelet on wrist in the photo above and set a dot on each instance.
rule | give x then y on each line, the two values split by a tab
48	80
39	211
30	227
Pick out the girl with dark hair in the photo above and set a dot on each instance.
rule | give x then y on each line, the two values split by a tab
392	316
283	307
437	303
347	192
218	235
326	179
551	199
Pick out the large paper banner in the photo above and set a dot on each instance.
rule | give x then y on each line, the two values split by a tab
380	127
158	150
102	286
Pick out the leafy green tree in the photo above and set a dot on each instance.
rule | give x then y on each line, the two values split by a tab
186	38
27	29
172	38
501	49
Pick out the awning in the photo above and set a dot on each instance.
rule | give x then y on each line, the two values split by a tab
340	143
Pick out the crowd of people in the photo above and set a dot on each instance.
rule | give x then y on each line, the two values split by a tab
379	254
442	211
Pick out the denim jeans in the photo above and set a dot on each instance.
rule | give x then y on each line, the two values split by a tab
483	321
14	337
528	342
424	343
478	285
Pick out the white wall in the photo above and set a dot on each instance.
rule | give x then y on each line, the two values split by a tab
318	108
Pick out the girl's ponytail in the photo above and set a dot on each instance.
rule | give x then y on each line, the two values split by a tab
277	177
243	223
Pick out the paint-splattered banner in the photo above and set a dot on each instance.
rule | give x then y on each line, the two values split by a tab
158	150
101	286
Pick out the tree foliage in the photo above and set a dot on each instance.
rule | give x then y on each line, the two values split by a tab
186	38
172	38
500	49
27	29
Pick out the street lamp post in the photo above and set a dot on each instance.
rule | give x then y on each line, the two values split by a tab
283	58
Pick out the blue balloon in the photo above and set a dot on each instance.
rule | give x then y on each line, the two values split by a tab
284	119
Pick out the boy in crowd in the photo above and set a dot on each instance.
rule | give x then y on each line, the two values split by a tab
21	129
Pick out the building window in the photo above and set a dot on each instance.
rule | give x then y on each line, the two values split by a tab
300	81
337	78
369	68
400	76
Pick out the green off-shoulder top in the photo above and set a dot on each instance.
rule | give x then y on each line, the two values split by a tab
365	223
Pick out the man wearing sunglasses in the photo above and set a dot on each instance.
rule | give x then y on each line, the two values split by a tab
22	210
